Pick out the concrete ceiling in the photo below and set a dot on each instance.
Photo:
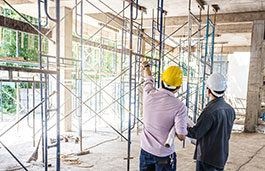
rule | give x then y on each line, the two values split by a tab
237	32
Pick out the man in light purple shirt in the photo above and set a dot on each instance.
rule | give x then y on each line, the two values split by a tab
162	110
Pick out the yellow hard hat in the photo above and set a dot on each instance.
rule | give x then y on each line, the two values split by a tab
173	76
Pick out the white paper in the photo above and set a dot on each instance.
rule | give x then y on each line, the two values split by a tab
172	134
170	137
190	123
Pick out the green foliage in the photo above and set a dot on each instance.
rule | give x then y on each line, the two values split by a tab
25	85
12	14
28	43
9	105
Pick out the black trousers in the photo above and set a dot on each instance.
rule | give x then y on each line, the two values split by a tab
202	166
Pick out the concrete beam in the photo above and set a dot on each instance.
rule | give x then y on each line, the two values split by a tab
220	18
141	8
90	29
102	18
256	74
17	2
220	29
231	49
20	26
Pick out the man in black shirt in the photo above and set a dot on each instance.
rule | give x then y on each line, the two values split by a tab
213	128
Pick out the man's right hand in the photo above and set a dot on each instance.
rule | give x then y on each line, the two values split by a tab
147	71
144	63
181	137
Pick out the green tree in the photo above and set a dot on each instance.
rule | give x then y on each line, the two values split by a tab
9	105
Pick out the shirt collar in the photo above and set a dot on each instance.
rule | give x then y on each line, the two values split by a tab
215	100
166	91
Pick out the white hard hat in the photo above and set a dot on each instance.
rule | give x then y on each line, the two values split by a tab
216	83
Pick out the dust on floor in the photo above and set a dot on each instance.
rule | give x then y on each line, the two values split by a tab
107	152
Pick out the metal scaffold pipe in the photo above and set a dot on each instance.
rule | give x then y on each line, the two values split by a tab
41	85
130	86
113	18
80	74
160	6
205	57
13	156
57	22
58	151
24	116
198	70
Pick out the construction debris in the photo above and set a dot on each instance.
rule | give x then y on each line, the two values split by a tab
83	153
71	160
66	138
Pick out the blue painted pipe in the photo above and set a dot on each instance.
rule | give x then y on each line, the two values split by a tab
205	56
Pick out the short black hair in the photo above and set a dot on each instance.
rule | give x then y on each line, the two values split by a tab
163	86
218	92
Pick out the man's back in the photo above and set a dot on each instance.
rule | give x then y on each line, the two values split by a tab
212	131
161	111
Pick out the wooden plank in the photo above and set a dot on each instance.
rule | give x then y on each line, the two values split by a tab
32	70
20	26
13	58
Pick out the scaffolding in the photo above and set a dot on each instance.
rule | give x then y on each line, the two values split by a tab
119	88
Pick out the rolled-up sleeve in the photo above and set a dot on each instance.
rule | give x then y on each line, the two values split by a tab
181	121
148	85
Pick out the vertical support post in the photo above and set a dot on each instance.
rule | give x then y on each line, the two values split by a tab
17	105
123	53
160	39
130	86
163	45
17	44
1	102
179	58
18	90
198	70
45	124
205	56
41	86
96	103
101	65
189	55
141	51
153	37
189	58
58	83
27	97
33	104
116	69
80	86
213	36
153	45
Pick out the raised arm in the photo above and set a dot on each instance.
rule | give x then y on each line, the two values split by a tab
147	70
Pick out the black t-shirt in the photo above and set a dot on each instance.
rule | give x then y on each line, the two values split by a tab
212	131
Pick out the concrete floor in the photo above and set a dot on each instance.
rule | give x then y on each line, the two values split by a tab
247	152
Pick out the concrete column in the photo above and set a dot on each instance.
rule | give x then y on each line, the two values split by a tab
66	72
255	80
66	51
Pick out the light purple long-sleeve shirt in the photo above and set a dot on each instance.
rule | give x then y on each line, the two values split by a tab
161	110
